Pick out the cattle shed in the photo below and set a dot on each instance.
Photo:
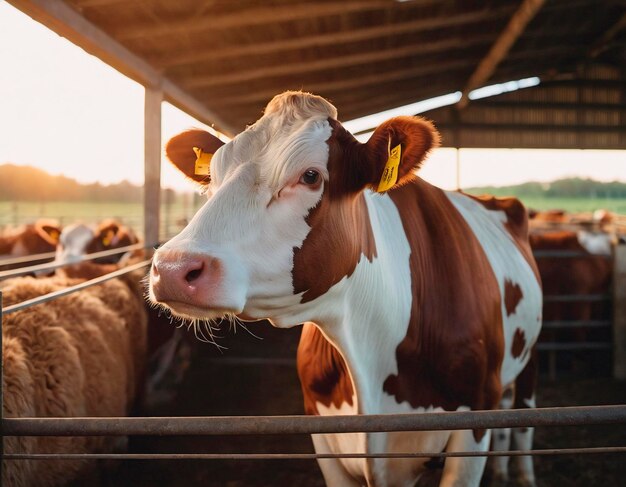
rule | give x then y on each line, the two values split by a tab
222	61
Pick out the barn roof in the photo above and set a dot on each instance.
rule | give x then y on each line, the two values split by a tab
222	60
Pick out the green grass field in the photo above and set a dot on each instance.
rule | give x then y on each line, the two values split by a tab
616	205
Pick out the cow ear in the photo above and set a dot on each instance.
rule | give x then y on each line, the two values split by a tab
191	153
48	231
397	149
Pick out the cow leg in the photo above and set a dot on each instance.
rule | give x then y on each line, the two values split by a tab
332	469
464	471
523	437
498	467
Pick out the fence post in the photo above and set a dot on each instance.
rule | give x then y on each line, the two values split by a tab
619	312
152	171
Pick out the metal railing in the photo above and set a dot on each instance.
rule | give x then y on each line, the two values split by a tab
56	265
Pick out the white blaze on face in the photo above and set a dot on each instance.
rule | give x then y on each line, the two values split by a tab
257	207
73	243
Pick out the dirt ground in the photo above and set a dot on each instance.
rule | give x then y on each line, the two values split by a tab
217	385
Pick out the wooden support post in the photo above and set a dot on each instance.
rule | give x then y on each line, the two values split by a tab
619	312
152	165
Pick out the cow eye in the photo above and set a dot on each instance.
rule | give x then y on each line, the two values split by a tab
310	177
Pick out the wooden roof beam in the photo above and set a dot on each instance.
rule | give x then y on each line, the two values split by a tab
289	69
247	18
65	21
601	44
253	95
322	88
329	39
514	29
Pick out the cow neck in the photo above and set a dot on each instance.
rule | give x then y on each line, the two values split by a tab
340	235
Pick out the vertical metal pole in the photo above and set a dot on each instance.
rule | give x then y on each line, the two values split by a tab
619	311
152	167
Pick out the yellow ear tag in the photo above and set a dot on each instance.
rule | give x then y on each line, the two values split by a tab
108	238
390	173
54	235
203	162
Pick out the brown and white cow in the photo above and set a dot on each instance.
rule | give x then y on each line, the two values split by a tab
415	299
35	238
79	239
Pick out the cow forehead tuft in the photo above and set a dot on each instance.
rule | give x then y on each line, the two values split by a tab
277	147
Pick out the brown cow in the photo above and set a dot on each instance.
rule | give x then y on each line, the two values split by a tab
34	238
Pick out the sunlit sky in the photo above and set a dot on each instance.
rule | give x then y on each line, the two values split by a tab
67	112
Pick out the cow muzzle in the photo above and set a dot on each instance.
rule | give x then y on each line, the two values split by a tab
191	285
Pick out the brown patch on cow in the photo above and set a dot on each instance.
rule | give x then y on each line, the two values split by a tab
519	343
478	434
453	350
341	231
323	373
512	296
516	223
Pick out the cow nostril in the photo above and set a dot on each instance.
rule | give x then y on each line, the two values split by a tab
193	274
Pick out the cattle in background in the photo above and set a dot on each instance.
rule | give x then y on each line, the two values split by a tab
169	350
34	238
79	355
79	239
547	220
416	299
589	273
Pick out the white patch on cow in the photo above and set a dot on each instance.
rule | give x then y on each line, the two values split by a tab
73	243
595	243
345	442
19	249
508	264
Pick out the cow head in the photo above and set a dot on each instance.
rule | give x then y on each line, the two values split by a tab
79	239
285	217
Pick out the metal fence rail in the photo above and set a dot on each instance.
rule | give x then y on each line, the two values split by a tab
272	425
56	265
26	258
309	456
71	289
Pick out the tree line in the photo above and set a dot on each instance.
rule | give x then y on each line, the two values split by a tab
560	188
26	183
